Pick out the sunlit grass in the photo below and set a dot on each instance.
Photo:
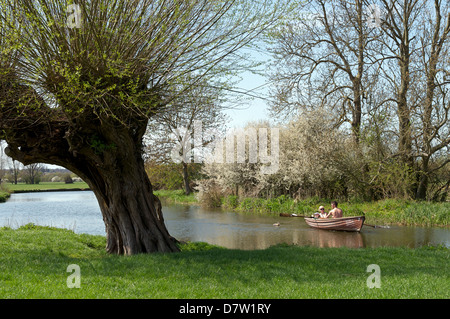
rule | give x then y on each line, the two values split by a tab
3	196
45	186
176	196
34	260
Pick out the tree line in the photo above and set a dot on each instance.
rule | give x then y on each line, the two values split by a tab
361	92
14	172
381	69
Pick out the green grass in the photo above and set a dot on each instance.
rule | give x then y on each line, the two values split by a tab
34	261
176	196
405	212
3	196
43	186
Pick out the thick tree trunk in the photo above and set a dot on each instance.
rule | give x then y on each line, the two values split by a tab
108	156
104	151
132	214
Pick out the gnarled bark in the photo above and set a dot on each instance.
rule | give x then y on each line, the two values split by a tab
107	155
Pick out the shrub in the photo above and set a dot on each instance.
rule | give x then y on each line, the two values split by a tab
210	193
68	179
230	202
3	196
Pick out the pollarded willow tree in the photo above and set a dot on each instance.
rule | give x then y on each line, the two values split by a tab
79	82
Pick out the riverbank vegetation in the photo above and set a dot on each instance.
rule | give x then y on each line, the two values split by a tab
7	189
3	196
177	197
388	211
312	162
4	193
34	261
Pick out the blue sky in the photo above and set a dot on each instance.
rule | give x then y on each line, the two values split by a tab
255	109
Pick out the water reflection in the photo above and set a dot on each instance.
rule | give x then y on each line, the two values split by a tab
246	231
324	238
79	211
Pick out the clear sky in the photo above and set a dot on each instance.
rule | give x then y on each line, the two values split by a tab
257	85
255	109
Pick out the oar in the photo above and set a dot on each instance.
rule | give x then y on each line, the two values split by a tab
376	226
290	215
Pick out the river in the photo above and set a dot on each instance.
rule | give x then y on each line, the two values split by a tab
79	212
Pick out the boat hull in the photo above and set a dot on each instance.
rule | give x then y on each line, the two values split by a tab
343	223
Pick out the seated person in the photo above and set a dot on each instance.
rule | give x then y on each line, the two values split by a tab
335	212
322	213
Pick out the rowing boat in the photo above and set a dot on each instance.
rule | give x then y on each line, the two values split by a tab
344	223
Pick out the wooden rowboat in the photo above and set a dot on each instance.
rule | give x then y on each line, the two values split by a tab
344	223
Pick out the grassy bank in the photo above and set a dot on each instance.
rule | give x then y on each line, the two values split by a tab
3	196
4	193
389	211
176	197
45	186
34	261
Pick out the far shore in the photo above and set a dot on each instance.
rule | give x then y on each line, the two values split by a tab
50	190
45	187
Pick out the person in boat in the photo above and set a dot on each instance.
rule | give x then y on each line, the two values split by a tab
335	212
322	213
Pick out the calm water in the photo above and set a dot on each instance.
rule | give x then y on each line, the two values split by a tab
79	212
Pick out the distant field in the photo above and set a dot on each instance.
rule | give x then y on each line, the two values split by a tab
21	187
